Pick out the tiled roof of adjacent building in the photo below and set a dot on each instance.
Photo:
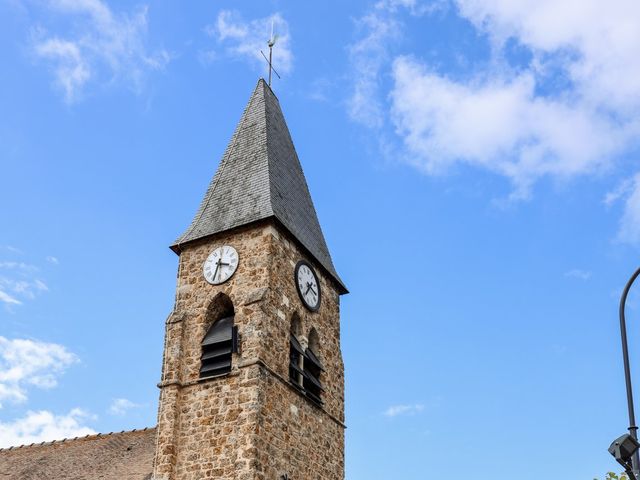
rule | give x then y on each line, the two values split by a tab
112	456
260	177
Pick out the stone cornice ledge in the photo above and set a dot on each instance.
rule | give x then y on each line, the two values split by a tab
249	363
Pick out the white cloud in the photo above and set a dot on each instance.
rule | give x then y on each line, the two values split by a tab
103	43
207	57
321	89
621	191
53	260
497	124
245	39
22	287
18	266
629	231
10	248
30	363
569	111
603	39
44	426
396	410
368	56
578	273
120	406
71	70
18	282
8	299
379	30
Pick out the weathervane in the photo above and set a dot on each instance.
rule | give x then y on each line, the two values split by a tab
271	43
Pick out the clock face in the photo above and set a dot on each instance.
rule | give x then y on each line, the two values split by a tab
220	265
307	285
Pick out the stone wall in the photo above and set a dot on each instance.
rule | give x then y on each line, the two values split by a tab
249	424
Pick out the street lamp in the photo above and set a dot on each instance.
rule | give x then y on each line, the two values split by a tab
625	448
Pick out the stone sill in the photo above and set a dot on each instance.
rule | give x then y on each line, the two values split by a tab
249	363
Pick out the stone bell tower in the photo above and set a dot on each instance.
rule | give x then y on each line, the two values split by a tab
252	380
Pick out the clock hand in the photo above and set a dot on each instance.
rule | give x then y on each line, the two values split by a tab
308	288
220	274
216	270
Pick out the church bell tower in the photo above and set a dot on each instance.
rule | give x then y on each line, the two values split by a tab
252	380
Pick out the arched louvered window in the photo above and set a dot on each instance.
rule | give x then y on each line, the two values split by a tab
313	369
296	354
217	347
221	341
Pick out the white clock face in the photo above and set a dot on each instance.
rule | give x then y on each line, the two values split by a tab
308	285
220	265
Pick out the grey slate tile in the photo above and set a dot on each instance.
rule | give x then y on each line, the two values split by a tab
259	177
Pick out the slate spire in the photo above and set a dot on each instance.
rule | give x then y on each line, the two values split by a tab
260	177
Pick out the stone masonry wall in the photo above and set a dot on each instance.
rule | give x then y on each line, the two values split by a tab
249	424
297	437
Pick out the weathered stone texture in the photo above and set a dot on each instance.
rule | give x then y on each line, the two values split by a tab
297	438
251	423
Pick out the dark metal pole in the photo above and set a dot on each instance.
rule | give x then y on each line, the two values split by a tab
270	57
633	429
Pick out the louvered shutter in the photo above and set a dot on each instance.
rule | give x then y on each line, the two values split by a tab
296	374
217	348
312	370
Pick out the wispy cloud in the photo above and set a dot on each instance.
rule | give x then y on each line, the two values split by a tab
11	249
627	192
53	260
8	299
621	191
120	406
207	57
397	410
18	282
320	89
578	274
28	363
44	426
569	111
25	267
378	31
244	40
102	45
501	125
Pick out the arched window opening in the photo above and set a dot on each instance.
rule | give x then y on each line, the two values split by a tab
313	369
296	354
221	341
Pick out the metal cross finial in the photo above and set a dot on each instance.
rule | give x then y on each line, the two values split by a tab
271	43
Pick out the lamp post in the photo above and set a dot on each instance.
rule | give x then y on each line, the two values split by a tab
633	429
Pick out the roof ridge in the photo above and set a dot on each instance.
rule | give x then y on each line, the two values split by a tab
226	155
309	230
91	436
260	177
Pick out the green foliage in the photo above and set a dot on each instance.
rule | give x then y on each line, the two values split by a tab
613	476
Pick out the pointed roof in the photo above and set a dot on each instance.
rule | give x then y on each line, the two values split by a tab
260	177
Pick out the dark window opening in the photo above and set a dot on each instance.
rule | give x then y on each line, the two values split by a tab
296	358
312	371
305	367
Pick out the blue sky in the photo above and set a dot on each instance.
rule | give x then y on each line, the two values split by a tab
490	144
